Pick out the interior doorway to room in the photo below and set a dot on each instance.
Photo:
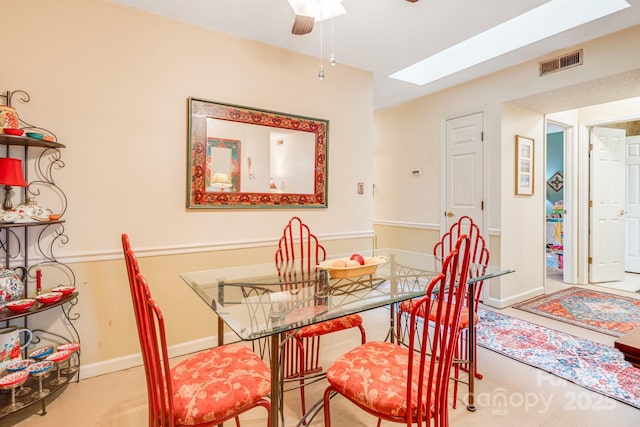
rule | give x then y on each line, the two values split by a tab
555	202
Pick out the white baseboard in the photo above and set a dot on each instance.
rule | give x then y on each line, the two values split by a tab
514	299
133	360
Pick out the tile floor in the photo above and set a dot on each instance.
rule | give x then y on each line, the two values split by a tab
530	397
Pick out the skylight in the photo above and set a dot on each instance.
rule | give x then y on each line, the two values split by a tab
544	21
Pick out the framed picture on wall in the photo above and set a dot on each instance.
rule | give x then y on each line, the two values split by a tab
524	165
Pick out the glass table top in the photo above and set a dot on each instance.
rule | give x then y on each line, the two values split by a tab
255	301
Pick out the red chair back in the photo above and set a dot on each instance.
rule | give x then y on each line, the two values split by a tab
478	252
299	250
156	355
444	300
139	309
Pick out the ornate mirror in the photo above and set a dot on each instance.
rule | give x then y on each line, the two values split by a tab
246	157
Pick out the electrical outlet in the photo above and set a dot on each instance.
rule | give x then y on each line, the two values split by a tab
361	188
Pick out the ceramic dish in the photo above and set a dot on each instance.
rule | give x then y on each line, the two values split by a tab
19	365
49	297
40	367
370	267
58	356
13	131
41	352
40	219
54	217
35	135
13	379
71	347
18	306
64	290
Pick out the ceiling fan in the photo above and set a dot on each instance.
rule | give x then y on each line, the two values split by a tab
308	12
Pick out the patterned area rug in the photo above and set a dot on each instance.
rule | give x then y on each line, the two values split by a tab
596	367
600	311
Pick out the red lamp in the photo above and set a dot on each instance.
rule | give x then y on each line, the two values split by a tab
10	175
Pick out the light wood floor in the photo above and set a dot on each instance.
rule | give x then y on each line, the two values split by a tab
511	393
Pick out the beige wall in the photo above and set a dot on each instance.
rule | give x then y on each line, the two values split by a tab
411	136
112	83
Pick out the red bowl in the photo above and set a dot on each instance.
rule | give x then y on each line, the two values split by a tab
13	131
20	305
49	297
64	290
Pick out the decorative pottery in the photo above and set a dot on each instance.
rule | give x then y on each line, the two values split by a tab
11	284
13	131
19	365
64	290
71	347
13	379
41	353
49	297
8	117
30	209
10	348
20	305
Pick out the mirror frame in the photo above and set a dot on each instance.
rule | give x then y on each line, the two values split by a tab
198	197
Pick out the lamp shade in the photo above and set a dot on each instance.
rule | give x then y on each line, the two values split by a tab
11	172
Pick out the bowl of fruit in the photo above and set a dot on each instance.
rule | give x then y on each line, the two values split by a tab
354	266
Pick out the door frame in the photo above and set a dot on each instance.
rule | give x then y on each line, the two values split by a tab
570	217
583	183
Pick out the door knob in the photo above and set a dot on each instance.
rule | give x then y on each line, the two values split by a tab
622	212
450	214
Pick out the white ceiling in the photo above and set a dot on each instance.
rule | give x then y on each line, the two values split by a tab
384	36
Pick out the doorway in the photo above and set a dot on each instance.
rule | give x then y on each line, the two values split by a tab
554	201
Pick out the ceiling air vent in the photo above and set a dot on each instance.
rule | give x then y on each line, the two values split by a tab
572	59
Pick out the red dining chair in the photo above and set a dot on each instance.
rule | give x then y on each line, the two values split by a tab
479	256
408	384
296	258
205	389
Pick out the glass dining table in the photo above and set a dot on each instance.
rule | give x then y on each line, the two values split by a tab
258	301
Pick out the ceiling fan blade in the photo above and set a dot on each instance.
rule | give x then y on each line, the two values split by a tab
302	24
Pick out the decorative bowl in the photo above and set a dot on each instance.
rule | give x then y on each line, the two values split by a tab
13	131
13	380
19	365
18	306
49	297
41	352
59	356
64	290
35	135
71	347
54	217
41	367
370	267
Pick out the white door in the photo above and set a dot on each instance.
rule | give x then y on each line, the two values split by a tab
607	199
632	256
463	169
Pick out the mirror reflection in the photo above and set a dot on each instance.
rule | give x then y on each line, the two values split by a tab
276	160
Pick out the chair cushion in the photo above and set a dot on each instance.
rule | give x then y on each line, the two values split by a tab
405	306
374	375
334	325
217	383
